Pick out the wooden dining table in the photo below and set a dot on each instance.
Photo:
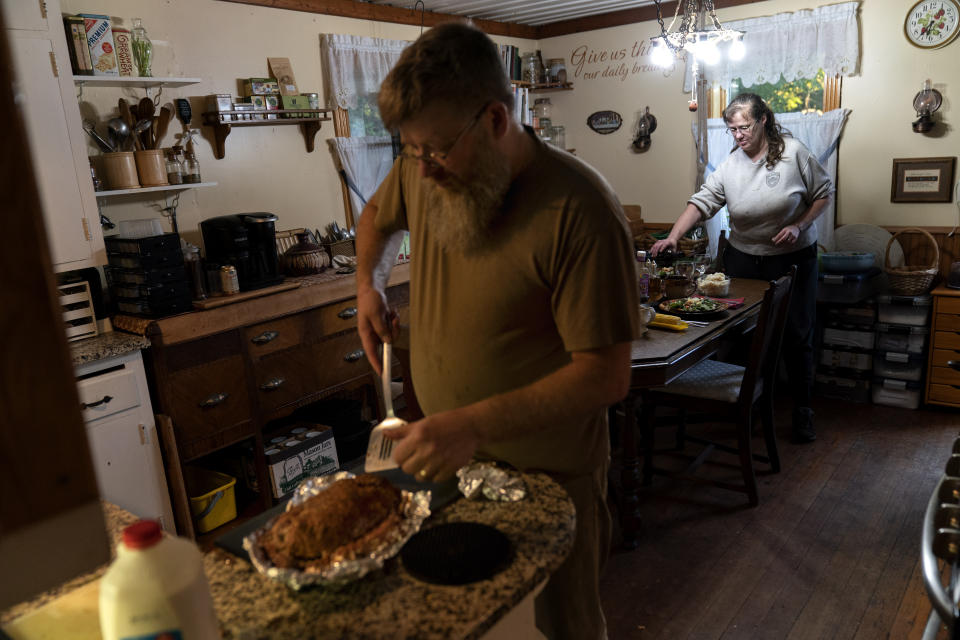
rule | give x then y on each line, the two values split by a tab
660	356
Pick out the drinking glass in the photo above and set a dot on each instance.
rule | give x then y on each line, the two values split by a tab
700	265
684	269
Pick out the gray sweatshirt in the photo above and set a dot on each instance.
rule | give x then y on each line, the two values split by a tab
763	201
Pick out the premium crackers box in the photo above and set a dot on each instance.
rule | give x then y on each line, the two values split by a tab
103	57
121	41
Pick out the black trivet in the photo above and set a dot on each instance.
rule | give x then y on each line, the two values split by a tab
456	553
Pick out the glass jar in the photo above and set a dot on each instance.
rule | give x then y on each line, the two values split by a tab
142	48
542	109
560	136
529	67
191	169
174	169
557	70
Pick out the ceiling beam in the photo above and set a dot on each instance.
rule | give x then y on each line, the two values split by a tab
384	13
618	18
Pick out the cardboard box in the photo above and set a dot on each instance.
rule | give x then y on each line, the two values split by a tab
121	39
282	70
103	55
312	453
260	87
77	45
295	102
273	104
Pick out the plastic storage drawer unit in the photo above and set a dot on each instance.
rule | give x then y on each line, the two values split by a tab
900	338
902	366
896	393
848	287
846	359
910	310
832	384
848	336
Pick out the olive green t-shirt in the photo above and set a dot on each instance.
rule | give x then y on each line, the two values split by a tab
556	277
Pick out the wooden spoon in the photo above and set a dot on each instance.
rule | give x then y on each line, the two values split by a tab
161	129
145	111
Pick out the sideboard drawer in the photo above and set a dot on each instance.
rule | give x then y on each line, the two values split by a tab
283	377
947	304
208	398
275	335
111	392
339	359
943	393
946	339
946	322
335	318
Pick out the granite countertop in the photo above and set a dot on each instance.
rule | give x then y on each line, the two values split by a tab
106	345
392	603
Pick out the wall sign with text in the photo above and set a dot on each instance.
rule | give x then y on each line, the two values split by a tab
604	121
922	179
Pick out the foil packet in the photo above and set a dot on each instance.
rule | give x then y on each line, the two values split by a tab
415	508
485	480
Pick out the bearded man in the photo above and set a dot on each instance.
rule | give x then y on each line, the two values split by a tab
522	296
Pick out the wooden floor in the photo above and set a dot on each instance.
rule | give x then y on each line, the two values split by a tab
831	552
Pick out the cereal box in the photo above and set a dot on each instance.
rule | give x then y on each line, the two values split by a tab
260	87
103	57
121	39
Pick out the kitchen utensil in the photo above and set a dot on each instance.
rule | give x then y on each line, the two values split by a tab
183	111
119	129
145	111
846	261
124	107
379	447
105	146
160	130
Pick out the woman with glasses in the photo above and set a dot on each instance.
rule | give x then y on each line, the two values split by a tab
774	190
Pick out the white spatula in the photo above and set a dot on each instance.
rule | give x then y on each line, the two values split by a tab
379	447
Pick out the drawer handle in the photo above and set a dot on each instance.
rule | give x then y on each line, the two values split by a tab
954	364
214	399
90	405
349	312
353	356
265	337
273	384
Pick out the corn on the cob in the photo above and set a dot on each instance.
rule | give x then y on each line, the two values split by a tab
667	319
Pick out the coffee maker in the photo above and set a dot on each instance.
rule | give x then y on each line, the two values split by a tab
248	242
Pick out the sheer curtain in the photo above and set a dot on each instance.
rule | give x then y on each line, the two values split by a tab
794	45
819	133
353	69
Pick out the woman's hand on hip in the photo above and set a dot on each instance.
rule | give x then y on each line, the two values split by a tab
787	236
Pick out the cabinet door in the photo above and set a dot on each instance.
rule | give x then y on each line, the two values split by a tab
59	156
25	14
126	459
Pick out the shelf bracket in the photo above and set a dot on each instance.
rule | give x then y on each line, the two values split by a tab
220	132
310	130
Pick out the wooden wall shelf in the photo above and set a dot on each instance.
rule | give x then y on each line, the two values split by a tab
222	123
544	87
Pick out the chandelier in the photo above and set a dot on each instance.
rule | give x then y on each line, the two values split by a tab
691	35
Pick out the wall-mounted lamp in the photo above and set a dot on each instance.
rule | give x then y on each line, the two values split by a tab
926	102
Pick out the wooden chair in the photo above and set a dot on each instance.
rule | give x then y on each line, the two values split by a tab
728	393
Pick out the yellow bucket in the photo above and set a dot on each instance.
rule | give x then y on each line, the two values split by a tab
212	499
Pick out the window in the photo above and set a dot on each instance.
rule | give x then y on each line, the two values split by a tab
365	117
804	95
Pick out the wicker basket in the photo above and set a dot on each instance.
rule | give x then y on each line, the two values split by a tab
692	247
911	280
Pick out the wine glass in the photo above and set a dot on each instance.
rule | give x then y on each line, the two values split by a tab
700	265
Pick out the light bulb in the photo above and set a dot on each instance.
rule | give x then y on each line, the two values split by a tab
661	55
709	54
737	50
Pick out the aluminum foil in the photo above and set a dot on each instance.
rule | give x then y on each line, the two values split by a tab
415	509
486	480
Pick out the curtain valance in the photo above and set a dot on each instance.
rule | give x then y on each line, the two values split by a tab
355	65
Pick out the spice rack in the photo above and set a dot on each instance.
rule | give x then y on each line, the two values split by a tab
223	122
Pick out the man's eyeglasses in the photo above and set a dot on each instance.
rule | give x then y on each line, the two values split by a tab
440	157
742	129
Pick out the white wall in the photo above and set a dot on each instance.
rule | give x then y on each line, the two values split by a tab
265	168
878	129
268	168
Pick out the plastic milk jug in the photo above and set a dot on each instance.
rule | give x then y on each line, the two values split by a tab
156	589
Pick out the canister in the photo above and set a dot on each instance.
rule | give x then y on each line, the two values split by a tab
228	280
121	170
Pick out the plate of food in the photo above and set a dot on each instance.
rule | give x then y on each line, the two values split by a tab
693	307
336	529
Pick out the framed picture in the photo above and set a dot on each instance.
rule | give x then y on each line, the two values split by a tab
922	179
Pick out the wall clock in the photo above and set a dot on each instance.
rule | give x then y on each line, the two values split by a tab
931	24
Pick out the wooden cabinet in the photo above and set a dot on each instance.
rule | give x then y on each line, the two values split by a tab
943	374
123	436
222	375
52	117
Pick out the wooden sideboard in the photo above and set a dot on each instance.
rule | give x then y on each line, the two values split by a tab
943	374
220	376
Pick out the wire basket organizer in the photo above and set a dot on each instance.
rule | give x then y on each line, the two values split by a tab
911	280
